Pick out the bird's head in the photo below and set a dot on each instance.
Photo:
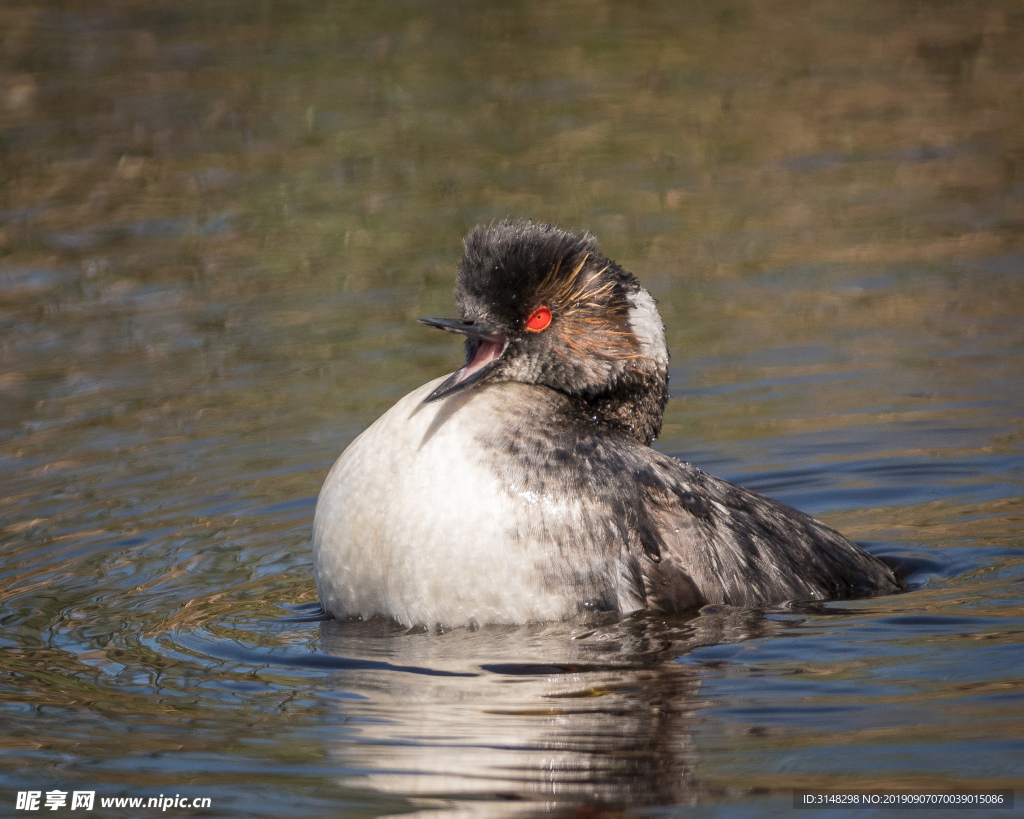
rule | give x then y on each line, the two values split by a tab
542	306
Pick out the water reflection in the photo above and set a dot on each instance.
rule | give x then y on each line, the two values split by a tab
218	223
563	714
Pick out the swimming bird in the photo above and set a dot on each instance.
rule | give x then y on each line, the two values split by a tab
523	487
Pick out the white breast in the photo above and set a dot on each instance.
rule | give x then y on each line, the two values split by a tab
415	523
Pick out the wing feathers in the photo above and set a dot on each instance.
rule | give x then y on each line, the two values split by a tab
741	548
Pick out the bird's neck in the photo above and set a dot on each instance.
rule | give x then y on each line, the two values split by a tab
636	404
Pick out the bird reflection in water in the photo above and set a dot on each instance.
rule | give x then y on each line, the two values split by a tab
540	717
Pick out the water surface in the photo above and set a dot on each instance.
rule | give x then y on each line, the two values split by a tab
218	223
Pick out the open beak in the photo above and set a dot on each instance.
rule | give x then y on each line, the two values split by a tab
483	349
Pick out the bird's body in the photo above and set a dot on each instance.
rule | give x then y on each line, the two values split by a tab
439	524
524	488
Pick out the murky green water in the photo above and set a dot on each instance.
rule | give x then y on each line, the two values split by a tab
218	222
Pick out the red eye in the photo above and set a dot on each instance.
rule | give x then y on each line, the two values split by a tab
539	319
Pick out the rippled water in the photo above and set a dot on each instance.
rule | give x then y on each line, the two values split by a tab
218	223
